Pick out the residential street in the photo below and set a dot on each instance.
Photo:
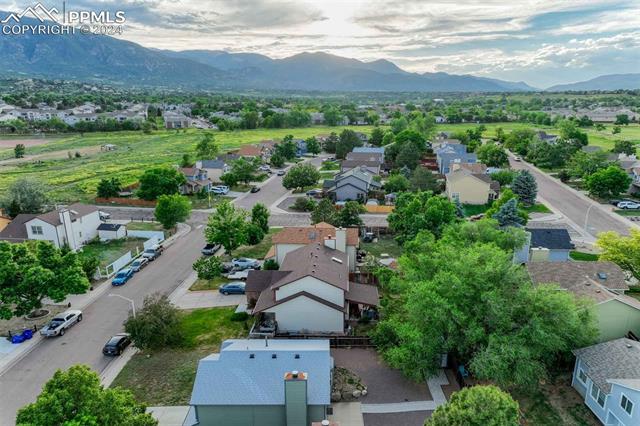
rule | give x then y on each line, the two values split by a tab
573	206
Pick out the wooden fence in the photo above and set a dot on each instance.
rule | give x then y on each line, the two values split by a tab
334	341
126	201
378	209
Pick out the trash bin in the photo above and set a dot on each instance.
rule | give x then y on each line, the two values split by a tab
17	338
27	334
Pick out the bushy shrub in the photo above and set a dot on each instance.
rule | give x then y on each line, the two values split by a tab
270	265
156	325
208	268
303	204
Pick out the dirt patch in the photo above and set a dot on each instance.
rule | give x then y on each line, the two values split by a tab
17	324
55	155
568	402
11	143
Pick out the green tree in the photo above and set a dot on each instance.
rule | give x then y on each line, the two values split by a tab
313	147
19	150
332	116
493	155
300	176
324	211
277	160
186	161
583	164
171	209
615	130
398	125
388	138
396	183
260	216
31	272
570	132
160	181
508	214
609	182
377	134
25	196
621	250
207	149
505	196
503	177
624	147
208	268
255	234
270	265
348	140
349	215
250	118
622	119
423	179
227	227
156	325
75	397
89	263
525	187
419	211
518	141
108	188
244	170
477	406
287	148
330	143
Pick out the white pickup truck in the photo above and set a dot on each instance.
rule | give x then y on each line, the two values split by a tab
239	275
61	322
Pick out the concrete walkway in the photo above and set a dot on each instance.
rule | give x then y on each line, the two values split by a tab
435	388
169	416
183	298
347	414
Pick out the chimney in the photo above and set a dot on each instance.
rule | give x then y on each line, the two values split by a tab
69	238
295	398
341	239
330	242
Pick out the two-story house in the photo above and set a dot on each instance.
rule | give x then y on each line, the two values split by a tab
214	168
354	184
451	152
607	375
545	245
370	161
311	292
471	188
73	226
197	180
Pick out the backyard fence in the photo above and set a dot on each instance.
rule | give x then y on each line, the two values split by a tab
126	201
111	269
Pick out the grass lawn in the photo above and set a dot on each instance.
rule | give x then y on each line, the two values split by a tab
330	165
203	203
385	244
241	187
585	257
474	209
76	179
145	226
258	251
537	208
110	251
628	212
208	284
327	175
166	377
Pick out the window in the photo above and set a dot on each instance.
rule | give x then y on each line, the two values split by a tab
626	404
582	376
597	395
36	230
455	196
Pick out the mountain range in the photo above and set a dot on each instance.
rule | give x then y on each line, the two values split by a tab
106	59
603	82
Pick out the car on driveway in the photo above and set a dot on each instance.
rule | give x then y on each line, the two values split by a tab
139	263
517	159
116	345
61	322
210	249
281	173
220	190
238	275
152	253
122	276
264	168
255	189
103	215
314	192
628	205
244	263
236	287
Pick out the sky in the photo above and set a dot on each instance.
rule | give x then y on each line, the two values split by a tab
541	42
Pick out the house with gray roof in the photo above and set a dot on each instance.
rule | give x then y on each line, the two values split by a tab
607	375
214	168
354	184
449	152
256	382
369	149
545	245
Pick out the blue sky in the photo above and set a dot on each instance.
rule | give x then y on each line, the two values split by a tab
540	42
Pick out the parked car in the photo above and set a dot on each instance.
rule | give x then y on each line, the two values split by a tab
615	202
116	345
264	168
628	205
244	263
152	253
139	263
281	173
238	275
368	237
60	323
517	159
122	276
220	189
236	287
227	267
314	192
104	215
255	189
210	249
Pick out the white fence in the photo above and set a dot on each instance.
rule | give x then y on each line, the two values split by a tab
152	237
114	267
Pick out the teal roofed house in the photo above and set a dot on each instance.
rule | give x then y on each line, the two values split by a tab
263	382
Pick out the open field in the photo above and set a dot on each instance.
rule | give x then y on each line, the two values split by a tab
76	179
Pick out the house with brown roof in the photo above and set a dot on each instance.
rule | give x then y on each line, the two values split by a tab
311	293
73	226
249	151
295	237
604	284
197	180
471	188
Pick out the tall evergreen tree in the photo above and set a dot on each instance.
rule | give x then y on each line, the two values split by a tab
508	214
525	187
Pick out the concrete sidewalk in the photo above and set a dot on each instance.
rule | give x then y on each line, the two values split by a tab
169	416
183	298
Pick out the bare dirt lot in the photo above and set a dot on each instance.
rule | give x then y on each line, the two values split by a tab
10	143
55	155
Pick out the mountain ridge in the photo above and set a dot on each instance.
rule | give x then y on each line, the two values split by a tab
628	81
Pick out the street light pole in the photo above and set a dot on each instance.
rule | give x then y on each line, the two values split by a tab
133	305
586	218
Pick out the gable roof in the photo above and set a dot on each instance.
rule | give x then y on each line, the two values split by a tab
212	164
250	151
551	238
109	226
610	361
312	234
374	164
359	174
369	149
16	231
233	378
75	211
318	261
378	157
475	168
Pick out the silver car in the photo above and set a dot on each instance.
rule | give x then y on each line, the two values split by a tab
61	322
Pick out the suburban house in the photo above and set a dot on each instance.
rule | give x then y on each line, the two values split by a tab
369	150
449	152
607	375
311	292
301	147
471	188
545	245
546	137
214	168
604	283
293	238
635	183
111	231
197	180
354	184
4	220
74	226
254	382
477	168
249	151
175	120
372	161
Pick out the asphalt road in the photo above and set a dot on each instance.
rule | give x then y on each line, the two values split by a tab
574	207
